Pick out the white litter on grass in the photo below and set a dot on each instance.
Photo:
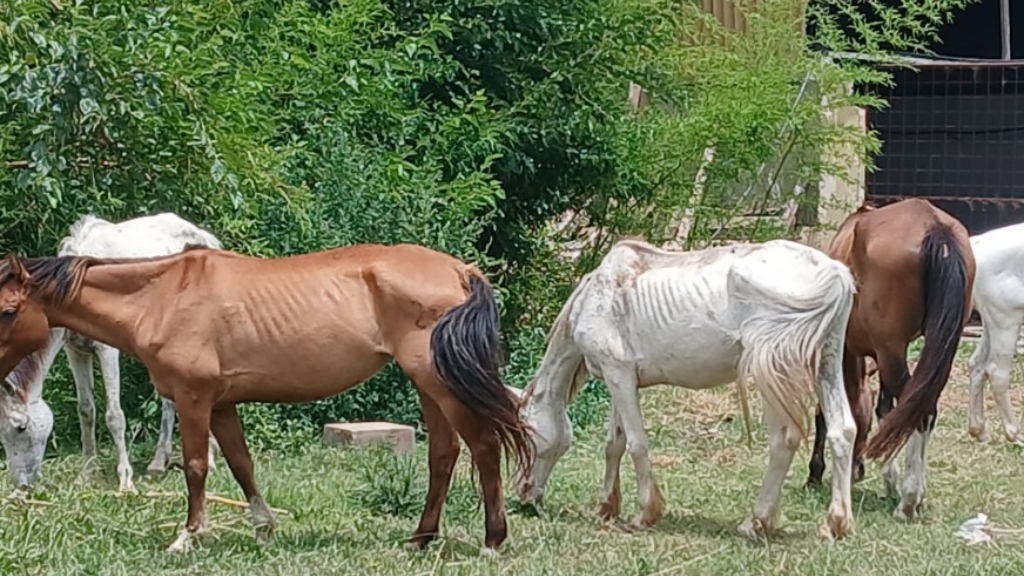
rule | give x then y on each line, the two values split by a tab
976	530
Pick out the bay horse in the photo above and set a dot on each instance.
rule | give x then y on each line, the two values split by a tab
773	312
999	300
216	329
156	235
914	270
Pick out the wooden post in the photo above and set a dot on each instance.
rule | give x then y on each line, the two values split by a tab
1004	19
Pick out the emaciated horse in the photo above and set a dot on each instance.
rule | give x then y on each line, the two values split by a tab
775	312
216	329
157	235
999	300
914	270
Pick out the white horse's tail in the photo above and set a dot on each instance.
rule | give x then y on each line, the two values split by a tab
784	336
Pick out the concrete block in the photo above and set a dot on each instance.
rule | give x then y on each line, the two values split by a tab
400	438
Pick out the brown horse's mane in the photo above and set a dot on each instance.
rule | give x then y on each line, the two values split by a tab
63	275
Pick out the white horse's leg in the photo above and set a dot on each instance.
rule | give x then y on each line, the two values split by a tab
111	369
621	382
842	433
162	455
81	368
978	365
164	448
914	481
1003	347
615	447
783	440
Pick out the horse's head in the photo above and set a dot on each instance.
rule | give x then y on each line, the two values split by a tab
24	330
549	425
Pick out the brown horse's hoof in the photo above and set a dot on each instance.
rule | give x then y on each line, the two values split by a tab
418	542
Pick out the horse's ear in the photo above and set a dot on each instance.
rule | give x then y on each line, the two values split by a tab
17	268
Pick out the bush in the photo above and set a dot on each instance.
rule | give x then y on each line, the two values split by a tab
288	126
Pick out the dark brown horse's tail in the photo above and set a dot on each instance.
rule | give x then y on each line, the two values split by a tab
944	281
465	348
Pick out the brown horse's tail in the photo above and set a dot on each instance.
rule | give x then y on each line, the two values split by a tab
465	348
944	281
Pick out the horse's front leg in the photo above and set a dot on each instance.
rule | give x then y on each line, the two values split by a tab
111	370
783	440
194	419
622	383
80	363
615	447
162	455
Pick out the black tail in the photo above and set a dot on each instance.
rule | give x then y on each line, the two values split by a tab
465	348
944	281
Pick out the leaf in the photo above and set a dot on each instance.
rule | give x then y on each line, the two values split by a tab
218	170
88	106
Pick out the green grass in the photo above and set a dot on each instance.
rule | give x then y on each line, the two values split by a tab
350	511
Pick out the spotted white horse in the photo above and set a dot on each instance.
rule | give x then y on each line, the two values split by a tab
999	299
773	312
24	439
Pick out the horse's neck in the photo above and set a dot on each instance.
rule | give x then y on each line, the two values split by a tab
555	379
111	300
36	374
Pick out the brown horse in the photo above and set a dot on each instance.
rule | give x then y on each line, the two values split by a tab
216	329
915	272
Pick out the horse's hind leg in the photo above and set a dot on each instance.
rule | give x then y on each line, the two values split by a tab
912	499
615	447
892	375
816	467
978	365
999	365
111	370
479	437
783	440
227	428
843	429
444	452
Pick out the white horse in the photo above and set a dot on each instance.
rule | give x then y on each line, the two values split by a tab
775	312
999	299
25	441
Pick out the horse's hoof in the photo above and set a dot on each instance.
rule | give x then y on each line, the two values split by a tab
978	434
641	523
489	553
264	533
126	487
182	544
838	526
753	529
908	512
418	542
607	513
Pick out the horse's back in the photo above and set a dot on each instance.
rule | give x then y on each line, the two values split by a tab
144	237
790	273
999	276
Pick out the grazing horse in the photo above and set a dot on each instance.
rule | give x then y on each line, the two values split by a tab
914	270
999	300
774	312
216	329
157	235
